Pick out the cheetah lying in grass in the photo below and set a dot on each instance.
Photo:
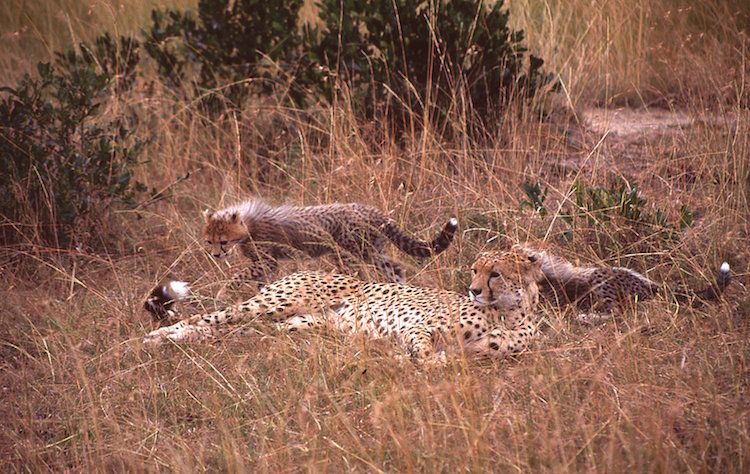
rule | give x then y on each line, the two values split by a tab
496	319
598	291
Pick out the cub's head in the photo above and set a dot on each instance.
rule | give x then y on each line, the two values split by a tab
222	231
505	278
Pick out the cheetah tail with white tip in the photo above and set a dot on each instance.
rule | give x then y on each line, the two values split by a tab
711	292
562	274
160	302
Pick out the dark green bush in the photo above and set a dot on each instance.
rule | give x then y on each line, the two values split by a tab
601	205
62	158
407	55
228	43
395	58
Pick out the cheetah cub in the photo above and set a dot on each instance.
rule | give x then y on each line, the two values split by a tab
496	319
353	232
597	291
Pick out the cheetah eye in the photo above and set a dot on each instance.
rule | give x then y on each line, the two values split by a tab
223	242
494	275
210	242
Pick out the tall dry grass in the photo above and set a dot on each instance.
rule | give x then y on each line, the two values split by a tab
641	53
661	388
34	30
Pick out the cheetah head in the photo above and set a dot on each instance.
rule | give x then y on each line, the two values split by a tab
222	231
505	278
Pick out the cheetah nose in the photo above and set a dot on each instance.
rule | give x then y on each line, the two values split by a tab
475	291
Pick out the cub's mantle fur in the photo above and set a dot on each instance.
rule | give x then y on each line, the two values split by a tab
352	232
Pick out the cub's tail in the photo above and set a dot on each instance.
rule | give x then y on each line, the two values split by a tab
712	291
161	300
419	248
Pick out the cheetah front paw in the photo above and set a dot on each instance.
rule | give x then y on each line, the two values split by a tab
157	337
436	361
592	319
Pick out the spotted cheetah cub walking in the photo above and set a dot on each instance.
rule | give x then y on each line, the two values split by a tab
353	232
497	319
597	291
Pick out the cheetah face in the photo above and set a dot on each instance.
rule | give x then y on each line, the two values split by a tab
502	278
222	232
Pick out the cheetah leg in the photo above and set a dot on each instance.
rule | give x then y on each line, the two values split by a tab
346	261
420	346
301	322
205	326
389	267
600	311
593	318
498	343
197	327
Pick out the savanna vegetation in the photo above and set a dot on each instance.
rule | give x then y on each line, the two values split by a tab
617	132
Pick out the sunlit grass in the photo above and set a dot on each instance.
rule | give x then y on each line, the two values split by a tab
33	30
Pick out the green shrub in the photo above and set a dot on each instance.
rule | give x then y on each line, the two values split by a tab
228	43
618	207
601	205
61	158
396	58
409	55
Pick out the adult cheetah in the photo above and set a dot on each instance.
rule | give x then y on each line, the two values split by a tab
496	319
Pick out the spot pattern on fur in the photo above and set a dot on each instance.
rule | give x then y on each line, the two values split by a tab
423	321
598	291
352	232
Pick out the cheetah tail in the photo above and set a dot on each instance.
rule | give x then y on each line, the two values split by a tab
711	292
161	300
419	248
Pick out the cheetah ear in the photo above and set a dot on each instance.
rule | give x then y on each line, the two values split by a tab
233	217
208	214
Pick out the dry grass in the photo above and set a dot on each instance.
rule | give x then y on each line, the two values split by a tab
33	30
641	53
660	388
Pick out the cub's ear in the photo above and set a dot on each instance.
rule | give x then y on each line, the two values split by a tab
528	252
233	217
207	214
